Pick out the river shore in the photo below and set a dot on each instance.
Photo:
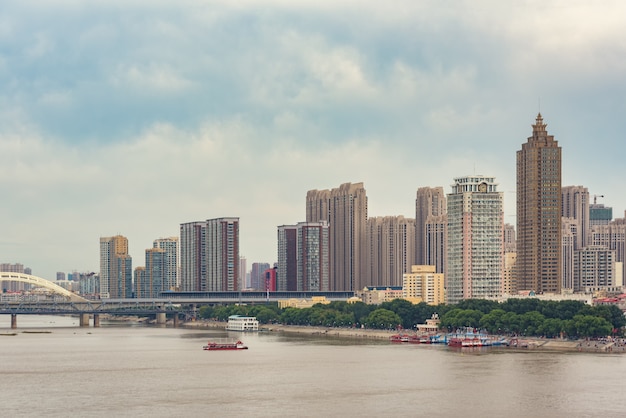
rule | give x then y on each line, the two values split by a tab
525	343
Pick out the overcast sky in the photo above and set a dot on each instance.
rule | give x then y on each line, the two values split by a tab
131	117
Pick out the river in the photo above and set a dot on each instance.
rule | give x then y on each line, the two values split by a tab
57	369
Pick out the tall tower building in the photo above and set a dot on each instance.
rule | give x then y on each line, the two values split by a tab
539	209
436	238
243	271
287	266
390	250
568	238
509	280
193	257
222	249
170	247
209	255
303	257
430	201
613	237
154	274
116	271
345	210
475	239
312	249
576	206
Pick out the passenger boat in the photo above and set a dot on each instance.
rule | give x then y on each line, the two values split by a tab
225	345
413	338
404	338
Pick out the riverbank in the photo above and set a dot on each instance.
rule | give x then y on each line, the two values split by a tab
526	343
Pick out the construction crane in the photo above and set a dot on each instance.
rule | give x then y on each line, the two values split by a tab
595	197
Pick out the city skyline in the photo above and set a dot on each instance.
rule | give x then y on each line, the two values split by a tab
243	109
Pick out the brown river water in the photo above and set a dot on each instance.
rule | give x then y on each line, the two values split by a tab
56	369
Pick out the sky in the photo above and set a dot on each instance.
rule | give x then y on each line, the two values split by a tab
132	117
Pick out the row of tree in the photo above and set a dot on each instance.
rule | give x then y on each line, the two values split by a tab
515	316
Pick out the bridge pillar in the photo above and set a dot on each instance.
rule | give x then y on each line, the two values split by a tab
161	318
96	320
176	320
84	320
13	321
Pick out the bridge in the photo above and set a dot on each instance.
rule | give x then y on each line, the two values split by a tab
174	304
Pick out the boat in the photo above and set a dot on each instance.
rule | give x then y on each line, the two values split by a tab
412	338
403	338
224	345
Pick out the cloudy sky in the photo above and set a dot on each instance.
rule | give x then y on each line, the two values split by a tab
131	117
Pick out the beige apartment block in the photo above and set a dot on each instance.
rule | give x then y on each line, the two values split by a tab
423	284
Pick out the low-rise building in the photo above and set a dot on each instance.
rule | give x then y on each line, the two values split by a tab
302	303
378	295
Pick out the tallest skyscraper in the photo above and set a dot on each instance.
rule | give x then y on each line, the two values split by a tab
539	208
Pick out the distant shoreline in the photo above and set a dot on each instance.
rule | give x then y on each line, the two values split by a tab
529	343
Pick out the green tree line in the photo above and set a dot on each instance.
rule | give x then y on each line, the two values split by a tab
529	317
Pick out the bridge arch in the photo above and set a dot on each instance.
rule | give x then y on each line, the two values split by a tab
38	281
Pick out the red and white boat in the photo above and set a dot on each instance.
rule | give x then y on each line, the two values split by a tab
225	345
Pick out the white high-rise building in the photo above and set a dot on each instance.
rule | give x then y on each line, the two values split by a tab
222	249
170	275
475	239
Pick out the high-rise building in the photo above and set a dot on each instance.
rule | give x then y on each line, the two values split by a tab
509	280
303	257
193	257
594	270
600	214
390	242
270	279
243	270
287	266
141	283
569	233
430	201
223	255
257	275
170	276
345	210
576	206
423	284
209	255
14	286
475	239
436	238
613	237
539	208
151	282
313	267
116	270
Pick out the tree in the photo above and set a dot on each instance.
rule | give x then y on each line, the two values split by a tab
404	309
382	319
492	322
592	326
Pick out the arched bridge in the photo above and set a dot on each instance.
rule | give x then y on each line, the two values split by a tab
38	281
